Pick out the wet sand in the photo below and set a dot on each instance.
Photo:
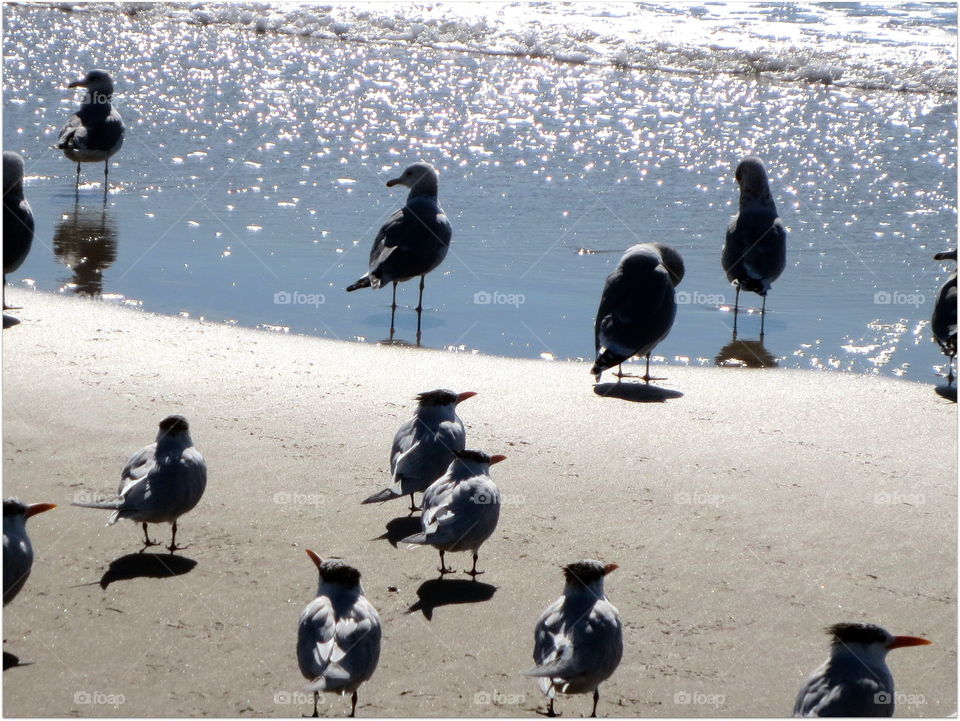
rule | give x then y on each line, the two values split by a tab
746	514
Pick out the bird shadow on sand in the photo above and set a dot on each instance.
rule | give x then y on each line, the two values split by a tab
947	391
9	321
11	661
439	592
399	528
636	392
146	565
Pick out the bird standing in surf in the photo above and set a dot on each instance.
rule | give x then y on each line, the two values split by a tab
18	221
944	320
412	242
95	132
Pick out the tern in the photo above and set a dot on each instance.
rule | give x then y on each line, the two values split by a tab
578	641
944	321
460	510
412	242
637	307
855	680
160	482
755	252
338	640
95	132
423	446
17	549
17	217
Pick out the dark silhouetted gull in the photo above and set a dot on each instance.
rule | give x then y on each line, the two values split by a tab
944	321
578	641
17	549
637	306
17	217
424	445
95	132
755	252
413	241
855	681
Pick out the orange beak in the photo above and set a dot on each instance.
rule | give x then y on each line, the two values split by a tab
497	458
315	558
35	508
902	641
463	396
610	568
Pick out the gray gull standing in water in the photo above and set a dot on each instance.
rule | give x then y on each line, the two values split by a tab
17	217
637	307
413	241
944	321
755	252
95	132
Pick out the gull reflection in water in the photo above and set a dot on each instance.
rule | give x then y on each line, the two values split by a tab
85	240
739	353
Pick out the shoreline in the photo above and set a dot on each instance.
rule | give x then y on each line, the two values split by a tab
747	511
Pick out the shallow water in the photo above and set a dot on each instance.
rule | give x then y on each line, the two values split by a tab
254	166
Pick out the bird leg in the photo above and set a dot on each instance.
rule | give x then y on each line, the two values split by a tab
420	309
763	314
393	309
5	306
146	538
353	705
443	567
413	506
550	712
596	697
473	571
173	540
647	377
77	184
736	311
316	700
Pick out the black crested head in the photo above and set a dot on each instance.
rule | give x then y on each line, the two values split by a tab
333	570
583	573
174	424
13	506
438	397
865	633
473	456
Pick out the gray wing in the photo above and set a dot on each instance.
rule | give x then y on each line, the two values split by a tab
338	653
412	242
824	696
68	133
755	251
462	515
139	465
944	320
315	638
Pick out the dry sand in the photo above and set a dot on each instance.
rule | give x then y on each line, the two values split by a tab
746	515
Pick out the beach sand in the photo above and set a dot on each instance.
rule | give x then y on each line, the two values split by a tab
746	515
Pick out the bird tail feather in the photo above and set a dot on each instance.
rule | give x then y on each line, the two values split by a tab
364	282
385	495
418	538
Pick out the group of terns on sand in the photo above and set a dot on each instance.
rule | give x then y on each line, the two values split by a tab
578	640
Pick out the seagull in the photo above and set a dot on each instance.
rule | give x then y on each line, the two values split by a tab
855	680
578	641
414	240
423	446
338	640
17	217
637	306
944	321
17	549
160	482
755	252
460	510
95	132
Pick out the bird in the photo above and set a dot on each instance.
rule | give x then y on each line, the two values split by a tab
95	132
460	510
160	482
637	307
578	641
423	446
413	241
755	251
338	640
855	680
18	222
944	321
17	549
